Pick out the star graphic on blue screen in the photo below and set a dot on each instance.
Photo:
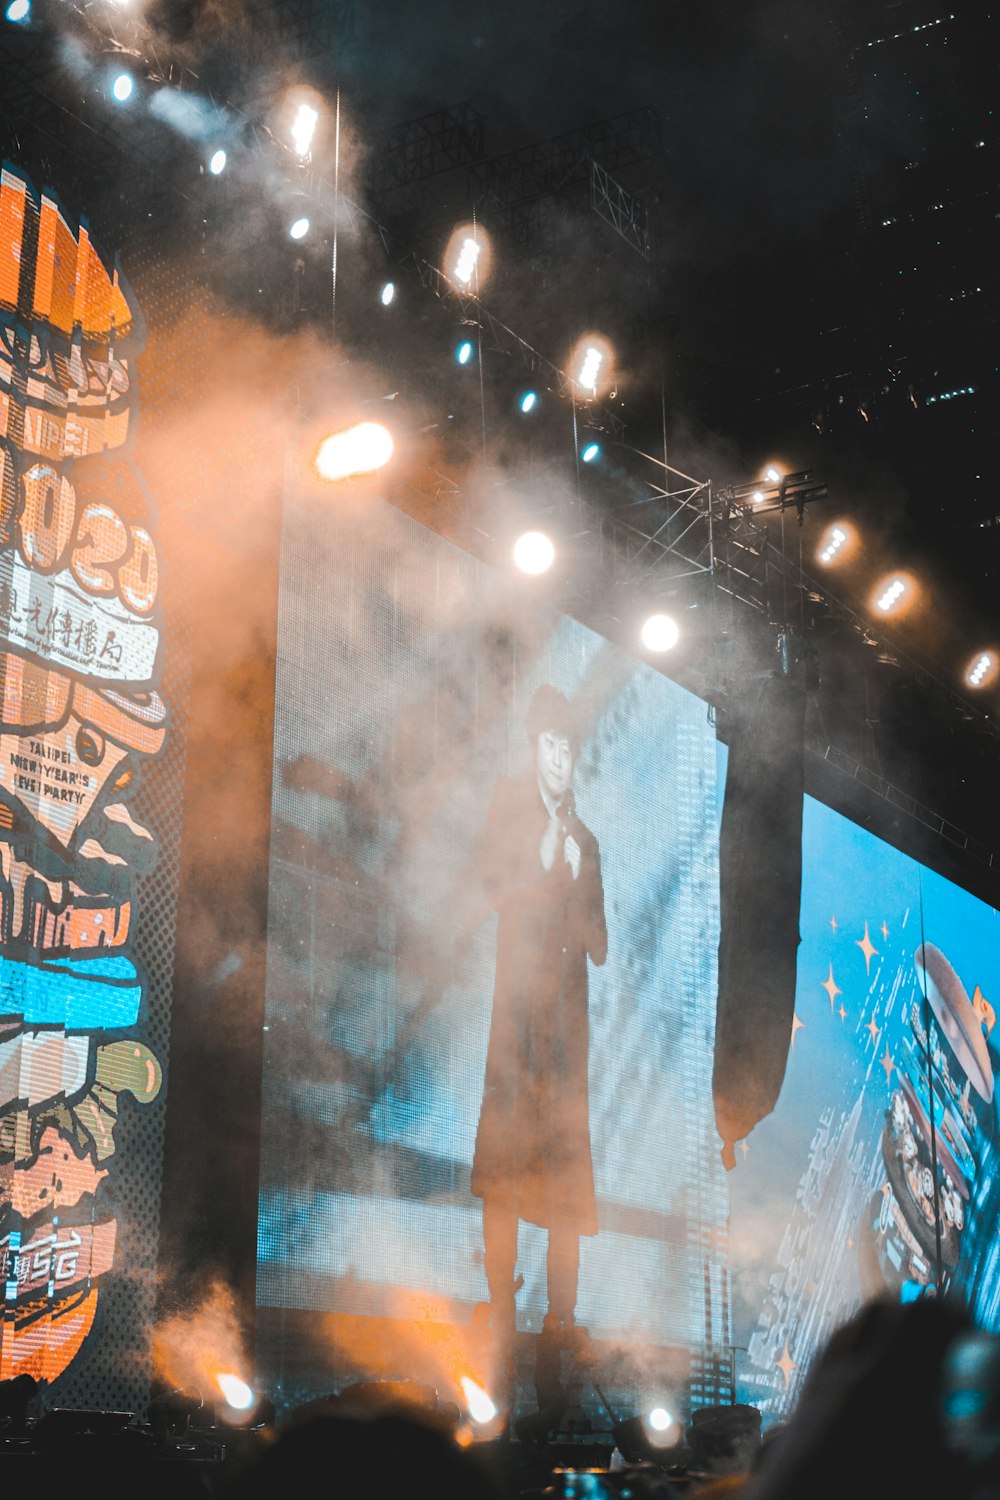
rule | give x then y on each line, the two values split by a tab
875	1030
831	987
885	932
868	949
834	924
786	1364
887	1064
796	1027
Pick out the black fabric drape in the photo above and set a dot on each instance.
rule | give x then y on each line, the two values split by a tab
760	867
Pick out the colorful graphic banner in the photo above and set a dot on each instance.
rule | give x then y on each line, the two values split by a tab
79	714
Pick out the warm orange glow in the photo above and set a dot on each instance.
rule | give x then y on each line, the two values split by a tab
838	543
983	670
481	1406
468	260
236	1391
895	594
358	450
592	366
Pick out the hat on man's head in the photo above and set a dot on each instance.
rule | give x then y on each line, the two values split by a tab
551	711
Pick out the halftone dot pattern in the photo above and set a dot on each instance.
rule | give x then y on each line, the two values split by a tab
404	669
113	1370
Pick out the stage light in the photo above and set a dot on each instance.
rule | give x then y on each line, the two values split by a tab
983	670
464	352
304	128
534	552
837	543
772	475
590	452
358	450
480	1405
388	293
236	1391
465	266
299	228
894	594
660	633
122	87
18	11
528	401
646	1439
469	256
591	365
217	162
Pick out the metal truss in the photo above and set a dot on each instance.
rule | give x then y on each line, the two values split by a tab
550	166
620	209
506	341
515	183
422	148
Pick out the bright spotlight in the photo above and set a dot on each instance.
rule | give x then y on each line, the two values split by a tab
236	1391
660	633
481	1407
303	128
122	87
837	543
534	552
464	352
18	10
591	365
983	670
468	257
660	1419
772	475
893	594
590	452
299	229
358	450
217	162
387	294
528	401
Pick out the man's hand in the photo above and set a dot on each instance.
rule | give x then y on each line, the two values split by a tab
571	854
550	842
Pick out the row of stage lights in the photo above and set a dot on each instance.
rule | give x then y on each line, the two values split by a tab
468	262
368	447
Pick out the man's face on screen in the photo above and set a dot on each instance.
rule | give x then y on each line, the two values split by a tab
555	763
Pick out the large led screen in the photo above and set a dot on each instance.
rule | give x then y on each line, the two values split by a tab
406	670
876	1173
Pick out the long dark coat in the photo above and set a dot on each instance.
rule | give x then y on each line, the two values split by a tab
533	1142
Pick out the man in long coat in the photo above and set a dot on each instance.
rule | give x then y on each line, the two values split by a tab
541	870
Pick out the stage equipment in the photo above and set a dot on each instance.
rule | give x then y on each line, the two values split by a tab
528	402
122	87
464	352
388	294
592	366
894	594
724	1438
982	670
640	1441
534	552
358	450
18	11
171	1412
298	228
469	258
837	543
591	452
660	633
480	1405
16	1396
217	162
777	492
304	128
